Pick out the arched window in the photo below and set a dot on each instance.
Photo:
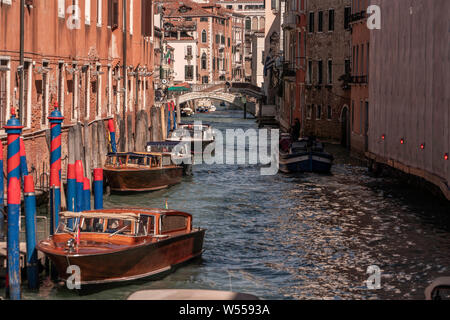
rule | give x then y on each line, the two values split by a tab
204	60
204	38
255	23
262	23
248	23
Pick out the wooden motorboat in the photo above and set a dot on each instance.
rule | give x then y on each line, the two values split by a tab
179	151
306	155
194	134
116	245
141	171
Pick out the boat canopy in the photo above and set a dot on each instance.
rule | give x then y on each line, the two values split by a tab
100	215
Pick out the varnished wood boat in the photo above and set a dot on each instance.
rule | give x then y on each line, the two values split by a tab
144	171
117	245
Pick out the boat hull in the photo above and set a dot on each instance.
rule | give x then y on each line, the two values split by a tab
306	162
141	261
143	180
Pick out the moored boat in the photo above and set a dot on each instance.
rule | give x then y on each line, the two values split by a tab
116	245
194	134
179	151
306	155
141	171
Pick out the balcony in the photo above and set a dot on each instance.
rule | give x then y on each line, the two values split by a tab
290	20
188	57
289	69
359	80
358	16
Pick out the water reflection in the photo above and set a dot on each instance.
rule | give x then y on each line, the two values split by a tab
302	236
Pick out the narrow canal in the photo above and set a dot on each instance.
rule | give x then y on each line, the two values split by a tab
305	236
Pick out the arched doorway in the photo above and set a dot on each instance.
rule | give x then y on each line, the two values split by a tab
345	127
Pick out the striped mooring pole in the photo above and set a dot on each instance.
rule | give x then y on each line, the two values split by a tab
13	129
2	196
30	221
87	194
79	195
112	135
55	119
23	160
98	188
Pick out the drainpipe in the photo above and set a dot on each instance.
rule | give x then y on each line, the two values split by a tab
125	78
22	59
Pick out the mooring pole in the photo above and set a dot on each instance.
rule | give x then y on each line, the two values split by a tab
112	135
55	119
23	161
168	119
13	129
71	187
2	196
80	181
174	116
30	221
87	193
98	188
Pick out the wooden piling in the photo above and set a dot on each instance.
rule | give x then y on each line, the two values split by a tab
102	143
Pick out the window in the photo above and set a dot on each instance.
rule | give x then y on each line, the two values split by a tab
98	90
331	20
311	22
189	73
204	60
61	9
4	91
248	23
329	113
320	72
205	79
308	112
262	23
189	51
45	92
367	62
319	112
222	39
361	117
229	7
320	22
217	38
99	12
330	71
204	19
310	67
214	63
87	12
347	14
113	14
60	92
255	23
131	16
204	38
146	18
229	42
27	83
347	67
362	60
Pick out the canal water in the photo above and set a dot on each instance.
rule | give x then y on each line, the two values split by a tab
304	236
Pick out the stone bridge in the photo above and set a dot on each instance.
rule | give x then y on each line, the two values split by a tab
231	94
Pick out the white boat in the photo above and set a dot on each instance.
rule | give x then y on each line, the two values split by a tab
194	134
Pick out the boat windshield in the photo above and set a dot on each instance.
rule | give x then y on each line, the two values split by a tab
143	226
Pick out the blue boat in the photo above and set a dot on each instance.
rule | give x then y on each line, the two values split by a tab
306	155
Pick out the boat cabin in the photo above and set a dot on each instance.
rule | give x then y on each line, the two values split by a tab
123	225
139	160
194	132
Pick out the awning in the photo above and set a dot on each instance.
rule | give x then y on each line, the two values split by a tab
180	87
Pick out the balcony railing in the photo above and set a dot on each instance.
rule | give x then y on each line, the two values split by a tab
359	80
289	69
358	16
290	20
